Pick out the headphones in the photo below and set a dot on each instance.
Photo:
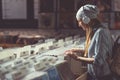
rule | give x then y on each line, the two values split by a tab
85	19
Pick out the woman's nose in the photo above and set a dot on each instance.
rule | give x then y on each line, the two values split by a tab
79	24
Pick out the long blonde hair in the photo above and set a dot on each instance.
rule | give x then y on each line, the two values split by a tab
90	33
88	40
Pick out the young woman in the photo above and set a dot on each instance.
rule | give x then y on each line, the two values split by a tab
98	44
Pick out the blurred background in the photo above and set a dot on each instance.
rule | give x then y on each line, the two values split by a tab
54	14
50	18
34	34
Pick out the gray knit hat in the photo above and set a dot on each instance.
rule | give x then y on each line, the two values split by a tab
88	10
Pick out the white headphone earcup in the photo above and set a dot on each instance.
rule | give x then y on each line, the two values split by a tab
86	20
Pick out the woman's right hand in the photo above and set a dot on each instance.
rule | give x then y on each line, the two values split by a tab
71	54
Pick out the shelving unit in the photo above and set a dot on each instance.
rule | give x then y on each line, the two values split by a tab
64	13
46	14
55	14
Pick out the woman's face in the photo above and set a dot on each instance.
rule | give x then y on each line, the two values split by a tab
82	25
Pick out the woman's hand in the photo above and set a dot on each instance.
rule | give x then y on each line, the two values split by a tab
71	54
77	50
